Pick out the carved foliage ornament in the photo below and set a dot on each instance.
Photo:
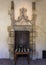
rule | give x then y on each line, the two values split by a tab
23	18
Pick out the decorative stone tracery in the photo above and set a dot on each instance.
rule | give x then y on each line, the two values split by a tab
22	24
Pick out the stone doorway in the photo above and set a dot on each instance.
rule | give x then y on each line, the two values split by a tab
22	24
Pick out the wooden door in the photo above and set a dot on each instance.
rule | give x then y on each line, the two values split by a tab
21	39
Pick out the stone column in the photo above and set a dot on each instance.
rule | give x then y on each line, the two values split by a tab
11	42
34	27
11	30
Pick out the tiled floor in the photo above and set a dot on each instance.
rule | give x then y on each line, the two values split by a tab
22	61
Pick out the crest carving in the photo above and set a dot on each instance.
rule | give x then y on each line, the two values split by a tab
23	18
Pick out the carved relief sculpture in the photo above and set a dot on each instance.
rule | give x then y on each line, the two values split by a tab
22	24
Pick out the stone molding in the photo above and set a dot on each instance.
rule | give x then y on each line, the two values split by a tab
22	24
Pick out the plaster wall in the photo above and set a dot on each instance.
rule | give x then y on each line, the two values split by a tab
40	23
